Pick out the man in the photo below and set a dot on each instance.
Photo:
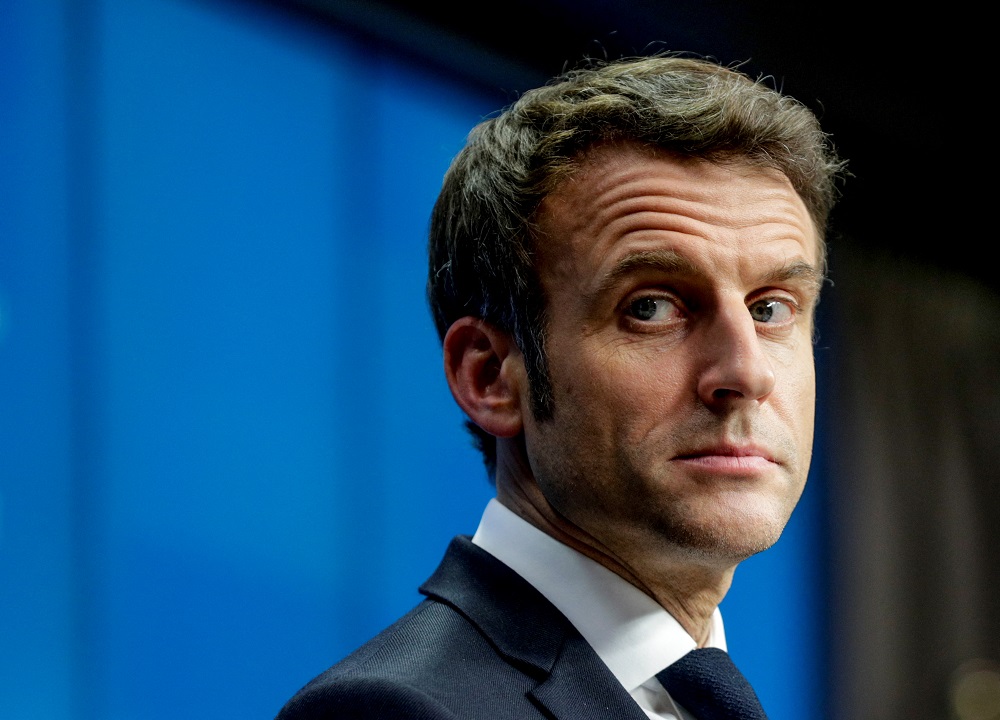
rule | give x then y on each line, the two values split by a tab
624	267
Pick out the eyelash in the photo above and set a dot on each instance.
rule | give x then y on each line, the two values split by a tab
631	306
792	307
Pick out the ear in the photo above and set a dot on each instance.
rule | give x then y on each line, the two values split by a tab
486	374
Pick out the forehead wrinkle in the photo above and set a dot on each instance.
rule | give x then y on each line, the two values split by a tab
689	211
612	208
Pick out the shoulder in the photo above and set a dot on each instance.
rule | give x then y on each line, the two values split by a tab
358	698
482	638
432	664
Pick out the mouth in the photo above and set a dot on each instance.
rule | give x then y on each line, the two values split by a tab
730	459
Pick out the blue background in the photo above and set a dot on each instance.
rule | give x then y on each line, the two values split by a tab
227	451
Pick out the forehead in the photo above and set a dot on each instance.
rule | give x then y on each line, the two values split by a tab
630	199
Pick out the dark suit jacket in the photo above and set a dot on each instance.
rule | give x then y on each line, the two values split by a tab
484	644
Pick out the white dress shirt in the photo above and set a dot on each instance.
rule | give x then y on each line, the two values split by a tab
634	636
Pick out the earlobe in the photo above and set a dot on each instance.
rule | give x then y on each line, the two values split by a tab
485	373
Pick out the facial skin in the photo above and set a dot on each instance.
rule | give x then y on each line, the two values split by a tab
680	299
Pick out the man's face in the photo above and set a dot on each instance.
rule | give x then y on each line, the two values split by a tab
680	299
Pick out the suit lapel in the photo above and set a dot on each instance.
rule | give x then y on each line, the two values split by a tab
581	686
526	629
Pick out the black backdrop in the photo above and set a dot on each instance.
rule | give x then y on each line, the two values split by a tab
895	87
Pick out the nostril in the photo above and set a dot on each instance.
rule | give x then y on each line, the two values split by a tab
726	393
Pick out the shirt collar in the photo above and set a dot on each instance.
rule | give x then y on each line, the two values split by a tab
631	633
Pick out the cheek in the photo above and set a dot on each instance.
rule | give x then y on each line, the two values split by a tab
800	400
633	387
795	377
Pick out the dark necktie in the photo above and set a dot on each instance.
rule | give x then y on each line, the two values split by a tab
708	684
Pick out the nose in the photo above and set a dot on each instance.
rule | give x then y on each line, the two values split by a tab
736	366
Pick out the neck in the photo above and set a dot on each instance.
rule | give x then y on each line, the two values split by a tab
686	584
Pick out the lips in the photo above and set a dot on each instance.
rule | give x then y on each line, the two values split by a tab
729	450
730	459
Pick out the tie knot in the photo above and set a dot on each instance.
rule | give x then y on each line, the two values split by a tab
707	683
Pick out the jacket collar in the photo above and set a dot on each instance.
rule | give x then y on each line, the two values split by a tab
531	634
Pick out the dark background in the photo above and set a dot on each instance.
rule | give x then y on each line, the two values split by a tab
894	86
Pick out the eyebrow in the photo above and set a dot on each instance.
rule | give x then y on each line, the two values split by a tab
666	261
799	270
672	263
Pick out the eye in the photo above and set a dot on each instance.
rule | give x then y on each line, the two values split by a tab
652	309
771	311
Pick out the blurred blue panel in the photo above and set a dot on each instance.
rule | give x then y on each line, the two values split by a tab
222	219
771	621
37	608
439	484
272	402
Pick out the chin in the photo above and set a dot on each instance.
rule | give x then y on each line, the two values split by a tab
724	551
729	537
